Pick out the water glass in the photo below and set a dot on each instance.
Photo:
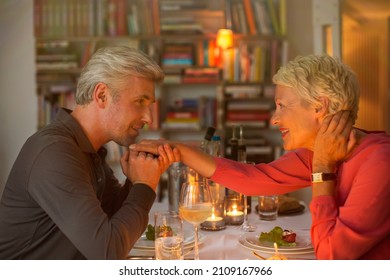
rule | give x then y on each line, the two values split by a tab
169	238
268	207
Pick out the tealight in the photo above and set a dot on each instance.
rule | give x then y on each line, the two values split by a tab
234	210
215	221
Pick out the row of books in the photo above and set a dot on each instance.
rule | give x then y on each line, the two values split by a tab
266	17
95	17
191	113
51	98
254	63
249	91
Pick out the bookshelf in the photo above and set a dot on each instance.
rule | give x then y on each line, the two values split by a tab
203	86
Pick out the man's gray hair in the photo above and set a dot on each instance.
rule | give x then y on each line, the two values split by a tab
111	65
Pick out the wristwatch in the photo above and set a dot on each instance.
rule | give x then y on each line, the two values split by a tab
321	177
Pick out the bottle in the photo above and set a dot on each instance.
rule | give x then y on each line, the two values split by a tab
241	156
241	147
215	146
218	191
233	142
204	146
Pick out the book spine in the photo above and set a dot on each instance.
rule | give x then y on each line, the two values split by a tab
250	17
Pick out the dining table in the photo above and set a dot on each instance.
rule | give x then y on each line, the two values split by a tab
232	243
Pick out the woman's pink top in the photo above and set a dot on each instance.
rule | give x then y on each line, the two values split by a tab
352	224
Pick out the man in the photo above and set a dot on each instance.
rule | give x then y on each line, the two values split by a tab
61	200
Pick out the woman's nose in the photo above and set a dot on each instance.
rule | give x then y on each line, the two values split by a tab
274	118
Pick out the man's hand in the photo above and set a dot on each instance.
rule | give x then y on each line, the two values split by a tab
335	140
141	167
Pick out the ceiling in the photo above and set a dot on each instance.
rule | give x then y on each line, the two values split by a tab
362	10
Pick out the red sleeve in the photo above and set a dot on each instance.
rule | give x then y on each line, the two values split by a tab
355	223
286	174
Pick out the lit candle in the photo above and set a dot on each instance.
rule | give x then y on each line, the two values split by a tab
235	216
213	222
213	218
235	212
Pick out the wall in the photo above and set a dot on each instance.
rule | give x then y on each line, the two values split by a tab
18	109
299	27
365	49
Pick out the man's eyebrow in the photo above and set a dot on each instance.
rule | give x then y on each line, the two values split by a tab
147	97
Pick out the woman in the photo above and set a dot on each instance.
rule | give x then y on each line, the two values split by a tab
348	168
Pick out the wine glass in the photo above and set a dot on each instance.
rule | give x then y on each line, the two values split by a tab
246	226
195	206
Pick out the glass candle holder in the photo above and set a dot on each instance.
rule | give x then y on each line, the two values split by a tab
234	209
217	220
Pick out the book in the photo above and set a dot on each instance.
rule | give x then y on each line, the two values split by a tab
249	16
273	16
182	115
254	124
247	115
263	20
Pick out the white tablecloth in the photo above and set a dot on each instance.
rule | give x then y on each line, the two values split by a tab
225	245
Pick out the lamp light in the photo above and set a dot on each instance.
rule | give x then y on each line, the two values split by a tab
225	39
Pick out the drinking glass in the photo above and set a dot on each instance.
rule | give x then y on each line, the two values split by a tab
268	207
195	206
168	229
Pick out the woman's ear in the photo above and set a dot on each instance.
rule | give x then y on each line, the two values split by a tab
321	110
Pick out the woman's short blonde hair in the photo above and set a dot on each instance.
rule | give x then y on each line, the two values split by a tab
111	65
315	76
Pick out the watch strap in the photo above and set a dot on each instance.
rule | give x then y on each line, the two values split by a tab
320	177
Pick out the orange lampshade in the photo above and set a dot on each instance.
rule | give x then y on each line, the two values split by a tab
225	38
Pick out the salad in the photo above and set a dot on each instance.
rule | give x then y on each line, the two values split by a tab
279	236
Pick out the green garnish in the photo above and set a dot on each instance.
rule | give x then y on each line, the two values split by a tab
275	236
162	231
150	232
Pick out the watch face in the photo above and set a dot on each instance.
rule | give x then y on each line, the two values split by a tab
316	177
321	177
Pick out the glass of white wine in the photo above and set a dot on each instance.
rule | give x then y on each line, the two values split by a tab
195	206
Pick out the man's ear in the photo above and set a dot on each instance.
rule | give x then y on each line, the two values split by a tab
100	94
322	109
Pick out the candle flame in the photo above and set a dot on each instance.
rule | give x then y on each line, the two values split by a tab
276	248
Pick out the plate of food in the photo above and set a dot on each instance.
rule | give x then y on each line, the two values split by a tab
286	240
145	242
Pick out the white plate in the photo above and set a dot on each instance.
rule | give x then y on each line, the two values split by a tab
271	252
303	242
146	244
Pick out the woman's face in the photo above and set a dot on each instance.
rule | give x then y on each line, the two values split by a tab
296	119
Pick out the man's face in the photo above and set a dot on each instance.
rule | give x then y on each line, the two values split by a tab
128	112
296	120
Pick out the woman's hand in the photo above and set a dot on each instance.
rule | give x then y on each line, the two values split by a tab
141	167
158	147
335	141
